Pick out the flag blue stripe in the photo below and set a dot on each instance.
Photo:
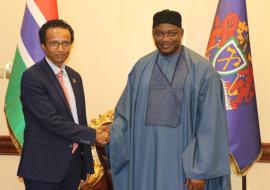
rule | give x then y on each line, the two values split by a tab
29	36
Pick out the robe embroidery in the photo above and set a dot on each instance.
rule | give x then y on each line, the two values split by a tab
165	98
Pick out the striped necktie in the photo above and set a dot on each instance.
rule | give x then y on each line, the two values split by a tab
62	84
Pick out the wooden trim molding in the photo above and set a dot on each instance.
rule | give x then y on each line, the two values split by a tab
265	153
7	148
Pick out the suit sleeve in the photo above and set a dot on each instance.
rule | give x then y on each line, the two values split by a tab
36	100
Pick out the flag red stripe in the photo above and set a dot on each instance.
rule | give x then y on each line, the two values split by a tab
48	8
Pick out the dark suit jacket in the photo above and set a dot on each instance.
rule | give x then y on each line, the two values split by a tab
49	126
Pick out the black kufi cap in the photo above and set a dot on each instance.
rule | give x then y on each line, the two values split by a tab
167	16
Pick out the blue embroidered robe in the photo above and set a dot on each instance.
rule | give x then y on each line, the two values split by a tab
162	158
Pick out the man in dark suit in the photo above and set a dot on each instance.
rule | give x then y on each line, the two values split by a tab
56	152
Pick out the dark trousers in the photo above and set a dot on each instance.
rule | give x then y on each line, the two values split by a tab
70	182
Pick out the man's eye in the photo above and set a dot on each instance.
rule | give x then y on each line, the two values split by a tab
66	44
158	34
172	33
54	43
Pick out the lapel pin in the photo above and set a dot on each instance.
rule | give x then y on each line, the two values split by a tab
74	81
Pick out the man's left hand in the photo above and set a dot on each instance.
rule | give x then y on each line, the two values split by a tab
195	184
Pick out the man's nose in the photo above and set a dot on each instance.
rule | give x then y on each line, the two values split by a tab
166	37
60	47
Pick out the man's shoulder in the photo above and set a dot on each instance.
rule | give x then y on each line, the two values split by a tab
141	64
143	61
197	61
35	68
200	67
71	70
195	57
149	57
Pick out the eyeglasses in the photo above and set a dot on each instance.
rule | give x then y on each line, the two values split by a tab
56	44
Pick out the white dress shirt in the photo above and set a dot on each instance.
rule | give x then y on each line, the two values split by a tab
67	84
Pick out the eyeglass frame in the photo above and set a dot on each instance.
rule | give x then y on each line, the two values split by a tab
64	46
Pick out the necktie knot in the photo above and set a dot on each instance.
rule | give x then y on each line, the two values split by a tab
62	84
60	74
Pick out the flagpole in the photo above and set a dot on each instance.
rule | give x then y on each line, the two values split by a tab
244	182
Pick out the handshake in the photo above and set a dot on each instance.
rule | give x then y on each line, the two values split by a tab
102	135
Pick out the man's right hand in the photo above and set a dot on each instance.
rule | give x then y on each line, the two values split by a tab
103	135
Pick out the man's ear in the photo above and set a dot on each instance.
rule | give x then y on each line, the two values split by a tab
182	31
42	45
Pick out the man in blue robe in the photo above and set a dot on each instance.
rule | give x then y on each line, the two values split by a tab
169	131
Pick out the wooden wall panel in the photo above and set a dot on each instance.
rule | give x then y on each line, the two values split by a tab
7	148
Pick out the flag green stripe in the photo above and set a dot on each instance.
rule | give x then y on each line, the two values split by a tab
13	106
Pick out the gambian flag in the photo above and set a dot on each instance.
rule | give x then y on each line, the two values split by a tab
28	52
229	51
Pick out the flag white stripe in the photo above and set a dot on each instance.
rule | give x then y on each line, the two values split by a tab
24	54
36	13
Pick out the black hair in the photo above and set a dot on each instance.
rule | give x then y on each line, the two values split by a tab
55	23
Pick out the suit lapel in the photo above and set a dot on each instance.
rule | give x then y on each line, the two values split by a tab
52	77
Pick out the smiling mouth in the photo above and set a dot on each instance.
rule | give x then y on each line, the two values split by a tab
165	46
60	56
